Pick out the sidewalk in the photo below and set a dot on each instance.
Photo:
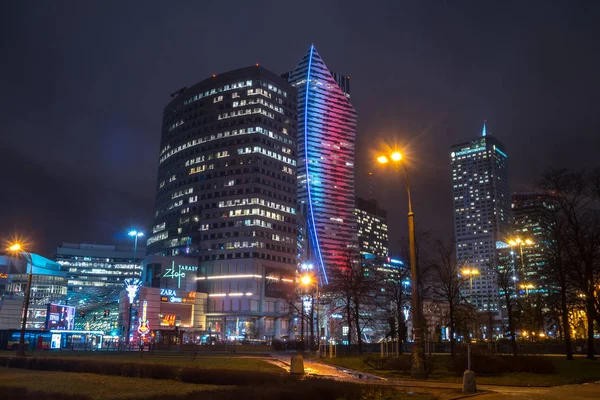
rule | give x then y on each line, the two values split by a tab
447	390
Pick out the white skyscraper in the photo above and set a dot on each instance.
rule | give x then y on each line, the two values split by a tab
481	206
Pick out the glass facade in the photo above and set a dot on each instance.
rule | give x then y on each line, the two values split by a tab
98	265
326	139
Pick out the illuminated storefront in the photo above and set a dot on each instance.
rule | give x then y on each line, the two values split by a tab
166	309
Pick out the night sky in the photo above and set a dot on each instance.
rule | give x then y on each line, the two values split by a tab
83	85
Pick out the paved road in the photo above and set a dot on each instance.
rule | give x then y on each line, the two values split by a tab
568	392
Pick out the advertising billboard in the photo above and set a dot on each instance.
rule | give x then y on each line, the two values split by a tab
60	317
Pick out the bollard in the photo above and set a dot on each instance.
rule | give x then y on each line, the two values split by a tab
469	385
297	365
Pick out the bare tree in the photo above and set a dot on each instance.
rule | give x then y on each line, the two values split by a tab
577	205
353	287
557	275
394	298
447	284
505	274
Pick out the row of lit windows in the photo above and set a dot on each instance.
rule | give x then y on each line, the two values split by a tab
258	201
221	135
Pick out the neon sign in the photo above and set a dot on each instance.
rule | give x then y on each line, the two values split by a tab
171	296
3	276
168	320
179	272
132	286
143	328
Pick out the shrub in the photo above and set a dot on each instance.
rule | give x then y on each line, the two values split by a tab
533	364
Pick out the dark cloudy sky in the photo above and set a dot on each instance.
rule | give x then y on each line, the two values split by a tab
83	84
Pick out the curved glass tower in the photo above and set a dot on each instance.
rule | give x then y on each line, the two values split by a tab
326	136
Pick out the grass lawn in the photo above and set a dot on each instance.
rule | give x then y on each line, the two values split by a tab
579	370
243	363
100	387
96	386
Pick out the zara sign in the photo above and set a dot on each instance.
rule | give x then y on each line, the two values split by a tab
178	272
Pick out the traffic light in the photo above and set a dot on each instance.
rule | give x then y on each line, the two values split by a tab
105	313
82	314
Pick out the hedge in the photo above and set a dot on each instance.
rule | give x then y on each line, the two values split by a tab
151	371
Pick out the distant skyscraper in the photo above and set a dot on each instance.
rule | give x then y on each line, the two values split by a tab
226	194
326	135
481	207
371	221
530	221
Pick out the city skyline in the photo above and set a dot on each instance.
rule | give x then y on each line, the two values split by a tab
101	172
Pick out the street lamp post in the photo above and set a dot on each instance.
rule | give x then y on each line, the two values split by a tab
520	243
135	234
19	250
418	367
470	272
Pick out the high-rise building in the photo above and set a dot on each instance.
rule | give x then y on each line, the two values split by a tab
371	222
481	210
531	237
226	193
326	137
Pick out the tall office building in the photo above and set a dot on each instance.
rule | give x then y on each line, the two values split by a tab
531	227
371	222
481	207
226	193
326	137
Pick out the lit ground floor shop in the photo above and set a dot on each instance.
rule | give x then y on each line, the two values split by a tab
162	316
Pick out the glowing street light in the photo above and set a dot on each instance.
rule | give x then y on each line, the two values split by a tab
418	361
520	243
470	272
135	234
382	160
17	248
527	287
306	280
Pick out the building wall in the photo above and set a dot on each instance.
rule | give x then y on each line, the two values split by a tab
326	139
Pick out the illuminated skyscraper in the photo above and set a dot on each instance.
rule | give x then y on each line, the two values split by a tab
481	207
226	194
326	135
531	223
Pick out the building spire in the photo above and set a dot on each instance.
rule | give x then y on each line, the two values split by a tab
484	131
